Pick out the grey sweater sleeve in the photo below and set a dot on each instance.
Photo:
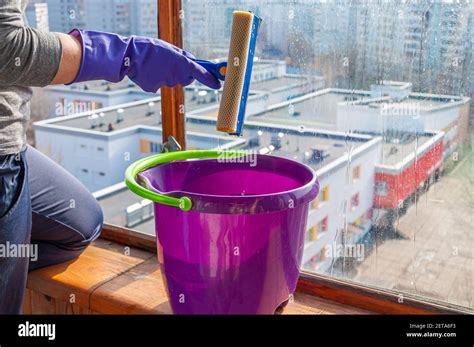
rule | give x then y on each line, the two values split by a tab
28	57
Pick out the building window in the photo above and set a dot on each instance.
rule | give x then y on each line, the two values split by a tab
381	188
319	257
317	230
155	147
355	201
363	218
147	147
315	202
325	224
144	146
83	175
325	193
99	178
369	214
313	233
356	173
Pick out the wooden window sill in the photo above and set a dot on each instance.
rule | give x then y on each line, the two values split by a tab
104	280
119	274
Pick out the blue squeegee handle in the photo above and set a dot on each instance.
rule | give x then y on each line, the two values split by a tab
217	69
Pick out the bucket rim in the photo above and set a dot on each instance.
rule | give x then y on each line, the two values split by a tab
248	204
310	183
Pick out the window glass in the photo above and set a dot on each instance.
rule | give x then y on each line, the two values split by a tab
375	97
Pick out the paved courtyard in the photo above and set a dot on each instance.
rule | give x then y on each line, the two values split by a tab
433	257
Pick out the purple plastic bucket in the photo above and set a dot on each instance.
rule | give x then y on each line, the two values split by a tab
239	249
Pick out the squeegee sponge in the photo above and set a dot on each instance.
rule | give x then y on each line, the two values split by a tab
237	62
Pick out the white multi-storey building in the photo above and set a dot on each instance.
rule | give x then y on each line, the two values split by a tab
386	109
92	95
125	17
37	14
340	216
270	84
422	42
98	147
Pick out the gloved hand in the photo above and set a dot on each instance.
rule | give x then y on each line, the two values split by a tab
150	63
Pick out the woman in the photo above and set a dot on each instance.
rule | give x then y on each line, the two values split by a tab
40	203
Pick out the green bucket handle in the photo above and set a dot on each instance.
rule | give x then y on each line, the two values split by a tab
184	203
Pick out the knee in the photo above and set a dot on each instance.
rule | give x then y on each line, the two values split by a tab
92	226
86	223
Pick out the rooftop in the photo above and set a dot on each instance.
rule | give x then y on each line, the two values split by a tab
135	113
423	101
98	86
318	109
394	84
292	142
105	86
397	148
314	147
283	82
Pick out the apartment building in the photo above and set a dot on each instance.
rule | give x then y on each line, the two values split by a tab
92	95
97	147
408	166
37	14
417	132
407	42
341	214
270	84
125	17
392	108
386	109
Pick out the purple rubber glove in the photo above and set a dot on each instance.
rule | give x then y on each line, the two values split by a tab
150	63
